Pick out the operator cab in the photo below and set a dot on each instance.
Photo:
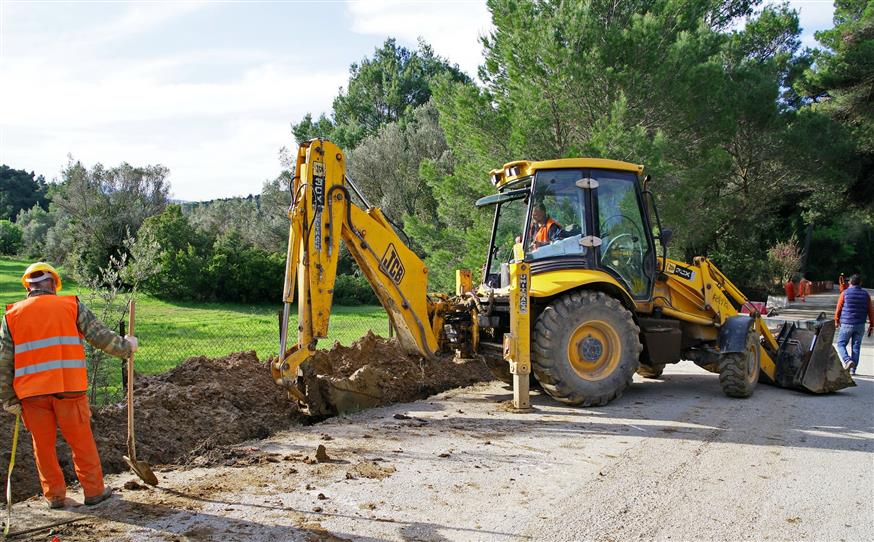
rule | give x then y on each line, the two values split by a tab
572	214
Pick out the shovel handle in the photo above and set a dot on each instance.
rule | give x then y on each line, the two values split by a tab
131	438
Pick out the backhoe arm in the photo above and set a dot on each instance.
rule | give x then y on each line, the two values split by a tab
322	215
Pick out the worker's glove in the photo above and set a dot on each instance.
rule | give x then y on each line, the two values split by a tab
134	343
12	406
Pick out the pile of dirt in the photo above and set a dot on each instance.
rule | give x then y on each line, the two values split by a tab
200	405
374	371
203	406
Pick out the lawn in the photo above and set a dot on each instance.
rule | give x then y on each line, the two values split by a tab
170	332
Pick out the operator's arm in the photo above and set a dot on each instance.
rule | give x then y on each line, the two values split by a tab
7	365
839	308
100	336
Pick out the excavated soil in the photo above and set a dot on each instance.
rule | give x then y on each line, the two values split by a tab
374	372
199	405
195	413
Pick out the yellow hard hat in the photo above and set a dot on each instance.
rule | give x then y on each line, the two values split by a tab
40	269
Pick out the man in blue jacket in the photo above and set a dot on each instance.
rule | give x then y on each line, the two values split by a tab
854	307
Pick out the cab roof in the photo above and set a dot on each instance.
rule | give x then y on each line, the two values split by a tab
523	168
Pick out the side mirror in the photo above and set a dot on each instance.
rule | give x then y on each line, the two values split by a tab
665	236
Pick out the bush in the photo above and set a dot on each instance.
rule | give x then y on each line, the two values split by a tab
10	237
353	290
785	258
35	225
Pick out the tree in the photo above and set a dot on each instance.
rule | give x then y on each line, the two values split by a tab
35	225
673	85
382	89
94	208
20	190
840	84
386	166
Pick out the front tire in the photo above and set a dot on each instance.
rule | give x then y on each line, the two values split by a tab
586	348
739	371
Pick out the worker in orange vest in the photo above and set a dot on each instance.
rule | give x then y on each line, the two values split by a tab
842	283
545	229
804	288
43	378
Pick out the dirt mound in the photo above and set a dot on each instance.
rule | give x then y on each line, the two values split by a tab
374	371
194	413
200	405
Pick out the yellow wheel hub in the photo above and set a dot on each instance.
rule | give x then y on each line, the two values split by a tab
594	350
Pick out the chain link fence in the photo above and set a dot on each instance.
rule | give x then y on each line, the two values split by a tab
167	339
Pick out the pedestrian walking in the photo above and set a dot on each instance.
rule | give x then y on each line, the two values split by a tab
842	283
43	378
854	307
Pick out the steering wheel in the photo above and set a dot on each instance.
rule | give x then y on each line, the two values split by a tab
636	243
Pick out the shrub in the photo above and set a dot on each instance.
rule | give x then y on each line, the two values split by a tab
785	259
10	237
353	290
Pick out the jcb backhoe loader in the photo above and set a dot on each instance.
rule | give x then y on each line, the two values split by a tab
572	289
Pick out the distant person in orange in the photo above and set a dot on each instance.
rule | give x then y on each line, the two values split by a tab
804	287
842	283
43	378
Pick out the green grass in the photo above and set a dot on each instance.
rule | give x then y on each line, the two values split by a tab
170	332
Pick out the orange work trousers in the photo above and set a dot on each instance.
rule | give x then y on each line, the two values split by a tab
42	416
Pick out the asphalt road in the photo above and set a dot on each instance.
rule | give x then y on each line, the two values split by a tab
673	459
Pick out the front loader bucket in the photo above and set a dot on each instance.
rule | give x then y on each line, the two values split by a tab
807	360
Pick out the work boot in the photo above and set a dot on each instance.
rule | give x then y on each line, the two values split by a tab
97	499
56	503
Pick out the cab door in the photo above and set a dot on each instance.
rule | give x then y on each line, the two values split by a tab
626	249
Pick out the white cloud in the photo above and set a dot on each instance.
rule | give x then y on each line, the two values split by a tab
452	28
813	15
216	118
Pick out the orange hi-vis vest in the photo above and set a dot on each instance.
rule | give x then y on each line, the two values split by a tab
49	353
542	234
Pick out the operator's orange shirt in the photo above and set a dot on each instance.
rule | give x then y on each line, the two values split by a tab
49	352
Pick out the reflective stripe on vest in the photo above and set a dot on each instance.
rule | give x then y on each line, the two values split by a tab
49	365
49	353
43	343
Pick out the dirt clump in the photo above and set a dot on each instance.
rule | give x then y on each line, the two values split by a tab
374	371
370	469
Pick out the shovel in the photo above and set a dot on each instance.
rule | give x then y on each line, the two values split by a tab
140	468
9	477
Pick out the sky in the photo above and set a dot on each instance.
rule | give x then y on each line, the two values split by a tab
208	89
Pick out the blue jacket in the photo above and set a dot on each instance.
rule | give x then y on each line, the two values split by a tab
855	308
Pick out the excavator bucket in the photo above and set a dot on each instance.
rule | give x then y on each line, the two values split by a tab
806	359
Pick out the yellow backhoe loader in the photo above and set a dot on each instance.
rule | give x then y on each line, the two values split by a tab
573	289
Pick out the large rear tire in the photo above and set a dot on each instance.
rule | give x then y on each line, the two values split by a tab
739	371
586	348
